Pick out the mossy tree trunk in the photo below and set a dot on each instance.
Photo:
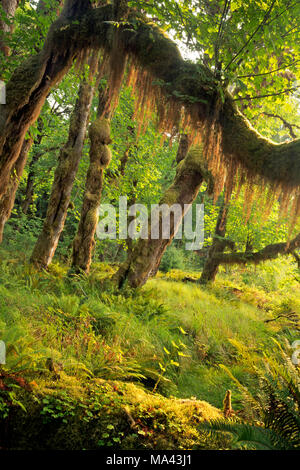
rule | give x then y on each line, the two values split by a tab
29	191
30	179
7	202
100	156
145	258
64	177
30	183
297	258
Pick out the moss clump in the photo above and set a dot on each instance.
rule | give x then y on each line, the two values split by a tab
92	217
105	156
194	160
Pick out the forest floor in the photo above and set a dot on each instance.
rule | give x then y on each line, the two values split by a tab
90	367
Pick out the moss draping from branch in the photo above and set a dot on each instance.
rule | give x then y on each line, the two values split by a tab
182	84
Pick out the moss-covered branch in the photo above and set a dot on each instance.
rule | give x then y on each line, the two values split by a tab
277	163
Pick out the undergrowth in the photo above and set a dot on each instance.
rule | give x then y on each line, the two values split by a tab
171	337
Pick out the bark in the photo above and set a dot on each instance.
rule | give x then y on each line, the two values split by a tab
100	156
29	191
7	202
268	252
183	148
30	180
145	258
30	184
29	188
65	174
131	218
211	265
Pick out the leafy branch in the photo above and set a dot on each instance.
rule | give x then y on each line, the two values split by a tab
249	98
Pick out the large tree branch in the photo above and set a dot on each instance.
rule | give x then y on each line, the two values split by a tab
268	252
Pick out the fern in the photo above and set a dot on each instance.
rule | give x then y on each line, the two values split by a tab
277	405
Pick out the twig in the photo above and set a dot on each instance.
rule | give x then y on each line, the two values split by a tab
249	98
261	24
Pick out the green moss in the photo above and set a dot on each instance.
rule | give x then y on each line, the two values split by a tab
92	217
194	160
24	79
105	156
156	49
170	197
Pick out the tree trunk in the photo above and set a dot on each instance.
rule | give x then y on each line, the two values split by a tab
145	257
211	266
30	184
100	157
297	258
63	180
28	199
7	202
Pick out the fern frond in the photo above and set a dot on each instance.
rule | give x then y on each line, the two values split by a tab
247	435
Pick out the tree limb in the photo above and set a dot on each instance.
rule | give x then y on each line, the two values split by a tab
156	53
289	126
